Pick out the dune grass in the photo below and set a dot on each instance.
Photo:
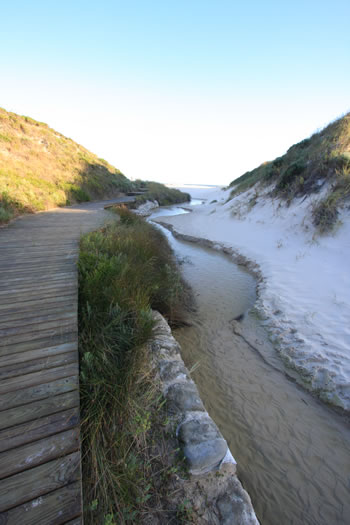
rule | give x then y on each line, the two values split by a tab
125	270
305	168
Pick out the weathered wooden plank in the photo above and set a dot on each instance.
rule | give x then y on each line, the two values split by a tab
49	291
34	243
32	261
39	452
22	268
42	302
38	315
60	266
34	410
22	357
8	243
39	342
76	521
22	254
37	327
34	393
37	378
38	429
44	253
54	508
38	289
20	277
32	336
12	302
30	484
35	365
20	281
6	247
39	318
62	244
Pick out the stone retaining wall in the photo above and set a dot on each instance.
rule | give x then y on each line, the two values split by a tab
203	445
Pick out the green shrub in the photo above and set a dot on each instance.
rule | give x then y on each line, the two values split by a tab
162	194
5	215
325	214
79	194
8	207
290	174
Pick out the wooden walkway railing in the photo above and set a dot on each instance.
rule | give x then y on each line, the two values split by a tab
40	468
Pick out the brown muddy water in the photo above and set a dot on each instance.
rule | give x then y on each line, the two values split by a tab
293	452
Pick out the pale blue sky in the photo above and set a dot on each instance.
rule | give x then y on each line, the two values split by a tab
178	91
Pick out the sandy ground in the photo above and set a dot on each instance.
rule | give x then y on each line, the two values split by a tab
304	296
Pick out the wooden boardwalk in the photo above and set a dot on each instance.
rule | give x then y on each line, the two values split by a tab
40	470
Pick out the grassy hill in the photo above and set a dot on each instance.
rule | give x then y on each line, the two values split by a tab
41	169
321	161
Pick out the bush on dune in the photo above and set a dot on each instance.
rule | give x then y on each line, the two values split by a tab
154	191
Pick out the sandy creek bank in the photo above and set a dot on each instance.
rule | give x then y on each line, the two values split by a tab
292	451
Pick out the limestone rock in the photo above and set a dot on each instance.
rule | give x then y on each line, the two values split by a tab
203	445
171	371
183	397
235	507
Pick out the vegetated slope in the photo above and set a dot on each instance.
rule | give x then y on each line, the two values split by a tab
155	191
40	169
323	160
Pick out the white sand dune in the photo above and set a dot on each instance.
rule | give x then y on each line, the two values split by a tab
305	291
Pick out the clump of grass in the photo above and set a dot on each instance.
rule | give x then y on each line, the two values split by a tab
125	270
78	194
7	205
326	212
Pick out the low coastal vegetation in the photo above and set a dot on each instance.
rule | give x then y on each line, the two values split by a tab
154	191
321	161
125	270
41	169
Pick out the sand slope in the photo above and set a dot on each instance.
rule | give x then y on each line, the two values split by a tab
305	292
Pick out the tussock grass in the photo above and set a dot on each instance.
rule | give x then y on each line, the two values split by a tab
326	211
125	269
40	169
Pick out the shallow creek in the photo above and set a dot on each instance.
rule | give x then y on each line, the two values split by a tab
293	453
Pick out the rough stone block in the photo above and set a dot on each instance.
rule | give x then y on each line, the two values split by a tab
203	445
183	397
